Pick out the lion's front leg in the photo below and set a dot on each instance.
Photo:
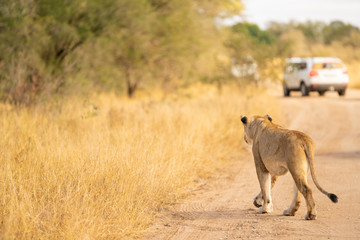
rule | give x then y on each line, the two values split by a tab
267	207
264	178
258	200
265	185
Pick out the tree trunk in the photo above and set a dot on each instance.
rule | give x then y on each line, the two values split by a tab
131	86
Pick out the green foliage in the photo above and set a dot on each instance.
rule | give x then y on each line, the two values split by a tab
313	31
317	32
52	46
253	32
248	43
337	31
36	38
55	47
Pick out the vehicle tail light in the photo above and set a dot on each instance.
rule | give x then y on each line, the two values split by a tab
315	85
345	71
313	73
344	84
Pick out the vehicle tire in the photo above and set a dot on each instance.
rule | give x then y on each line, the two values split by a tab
342	92
286	92
321	93
304	90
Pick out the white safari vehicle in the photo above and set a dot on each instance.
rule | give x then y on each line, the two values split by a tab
319	74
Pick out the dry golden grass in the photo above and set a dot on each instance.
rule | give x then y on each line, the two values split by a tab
354	74
101	168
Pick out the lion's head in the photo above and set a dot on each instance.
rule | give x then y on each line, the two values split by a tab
250	126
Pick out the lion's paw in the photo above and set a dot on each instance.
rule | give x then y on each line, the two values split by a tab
261	210
268	209
287	212
257	202
310	216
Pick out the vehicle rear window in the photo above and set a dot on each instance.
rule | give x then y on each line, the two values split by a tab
328	65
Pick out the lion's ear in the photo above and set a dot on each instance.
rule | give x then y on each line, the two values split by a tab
243	119
268	117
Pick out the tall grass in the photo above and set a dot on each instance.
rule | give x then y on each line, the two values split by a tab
101	168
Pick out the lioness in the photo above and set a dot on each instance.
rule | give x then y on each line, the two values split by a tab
277	150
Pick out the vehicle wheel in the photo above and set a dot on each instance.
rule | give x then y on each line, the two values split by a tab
341	92
321	93
286	92
304	90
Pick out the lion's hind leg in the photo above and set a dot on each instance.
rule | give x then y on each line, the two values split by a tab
295	204
303	187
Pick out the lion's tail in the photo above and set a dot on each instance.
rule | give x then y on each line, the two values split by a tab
309	151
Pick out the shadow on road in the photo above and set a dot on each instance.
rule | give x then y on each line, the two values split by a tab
223	214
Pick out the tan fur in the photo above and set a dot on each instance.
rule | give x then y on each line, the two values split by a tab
276	151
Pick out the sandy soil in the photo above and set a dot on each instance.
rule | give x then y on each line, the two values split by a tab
224	210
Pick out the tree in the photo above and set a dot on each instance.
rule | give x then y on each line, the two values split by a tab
313	31
48	45
337	30
37	38
249	44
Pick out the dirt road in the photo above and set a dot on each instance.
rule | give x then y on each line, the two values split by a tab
224	210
